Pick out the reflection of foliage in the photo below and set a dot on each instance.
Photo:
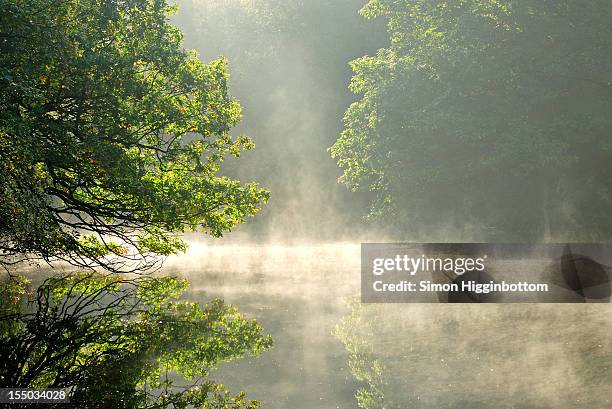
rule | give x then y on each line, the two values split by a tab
463	356
489	112
118	343
363	363
111	135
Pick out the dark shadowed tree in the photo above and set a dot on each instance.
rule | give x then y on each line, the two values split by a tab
486	118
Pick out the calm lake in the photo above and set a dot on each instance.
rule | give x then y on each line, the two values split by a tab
328	348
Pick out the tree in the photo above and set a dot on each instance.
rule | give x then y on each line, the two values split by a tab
111	135
483	113
115	342
111	141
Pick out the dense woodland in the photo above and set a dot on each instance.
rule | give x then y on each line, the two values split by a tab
417	120
488	116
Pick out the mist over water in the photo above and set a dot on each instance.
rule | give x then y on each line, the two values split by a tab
327	346
298	294
296	266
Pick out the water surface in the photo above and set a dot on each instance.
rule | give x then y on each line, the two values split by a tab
328	348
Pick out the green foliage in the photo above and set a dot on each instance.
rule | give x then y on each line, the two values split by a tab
122	343
110	129
491	113
362	360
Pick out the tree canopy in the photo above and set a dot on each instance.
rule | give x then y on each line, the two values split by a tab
111	134
486	113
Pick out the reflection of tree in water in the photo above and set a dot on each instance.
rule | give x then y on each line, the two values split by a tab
354	331
467	356
116	342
